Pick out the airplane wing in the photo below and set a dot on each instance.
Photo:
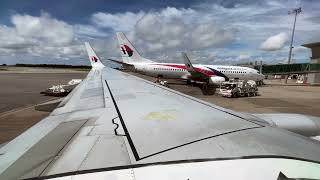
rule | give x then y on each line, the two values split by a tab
118	126
196	73
199	73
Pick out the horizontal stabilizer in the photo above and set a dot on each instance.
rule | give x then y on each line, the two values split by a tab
119	62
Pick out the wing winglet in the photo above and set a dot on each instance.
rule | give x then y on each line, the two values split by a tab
94	59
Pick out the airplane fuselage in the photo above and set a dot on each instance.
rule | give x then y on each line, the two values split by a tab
179	71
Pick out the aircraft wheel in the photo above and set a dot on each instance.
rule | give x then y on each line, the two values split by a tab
235	95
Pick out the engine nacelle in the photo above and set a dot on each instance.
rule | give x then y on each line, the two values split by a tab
216	80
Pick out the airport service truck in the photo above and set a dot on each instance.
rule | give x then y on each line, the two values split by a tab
61	89
238	88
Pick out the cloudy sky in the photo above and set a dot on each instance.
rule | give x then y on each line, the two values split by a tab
212	31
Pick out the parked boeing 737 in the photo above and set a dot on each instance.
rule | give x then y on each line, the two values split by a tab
210	74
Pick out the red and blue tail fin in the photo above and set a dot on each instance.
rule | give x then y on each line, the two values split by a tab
94	59
128	52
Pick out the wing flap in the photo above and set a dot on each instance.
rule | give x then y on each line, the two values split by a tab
166	121
39	156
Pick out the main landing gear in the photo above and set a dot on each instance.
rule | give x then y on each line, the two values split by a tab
208	89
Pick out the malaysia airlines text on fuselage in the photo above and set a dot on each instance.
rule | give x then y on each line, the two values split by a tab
172	70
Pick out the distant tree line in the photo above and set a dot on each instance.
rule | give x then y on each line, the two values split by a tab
53	66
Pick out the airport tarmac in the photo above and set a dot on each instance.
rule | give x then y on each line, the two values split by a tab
21	91
274	98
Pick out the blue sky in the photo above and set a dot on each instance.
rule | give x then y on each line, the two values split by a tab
212	31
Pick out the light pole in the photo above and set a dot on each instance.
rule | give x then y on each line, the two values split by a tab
296	12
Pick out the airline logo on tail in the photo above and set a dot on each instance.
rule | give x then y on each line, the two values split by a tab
94	59
126	50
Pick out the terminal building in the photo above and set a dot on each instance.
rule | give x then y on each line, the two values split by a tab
315	52
310	70
314	77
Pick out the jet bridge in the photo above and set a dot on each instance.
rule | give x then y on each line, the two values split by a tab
284	69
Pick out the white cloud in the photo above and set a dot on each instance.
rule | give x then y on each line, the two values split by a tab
208	35
88	31
243	57
170	29
275	42
300	49
209	30
159	33
41	36
9	39
53	31
118	22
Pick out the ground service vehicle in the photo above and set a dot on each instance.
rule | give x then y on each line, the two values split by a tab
238	88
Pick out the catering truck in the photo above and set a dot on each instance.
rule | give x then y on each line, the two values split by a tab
238	88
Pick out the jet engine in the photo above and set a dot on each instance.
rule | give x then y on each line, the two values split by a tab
216	80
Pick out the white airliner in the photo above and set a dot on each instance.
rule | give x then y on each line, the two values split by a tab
211	74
